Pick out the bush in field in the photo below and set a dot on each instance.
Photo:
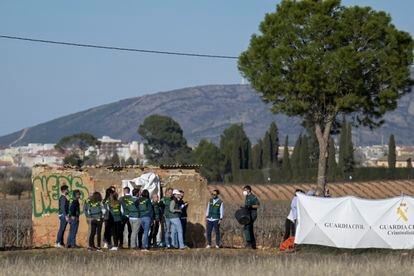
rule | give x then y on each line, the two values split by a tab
16	187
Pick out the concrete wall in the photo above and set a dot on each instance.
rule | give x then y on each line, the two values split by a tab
46	191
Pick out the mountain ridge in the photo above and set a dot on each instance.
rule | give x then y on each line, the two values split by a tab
203	112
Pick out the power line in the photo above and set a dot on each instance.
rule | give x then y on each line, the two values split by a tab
117	48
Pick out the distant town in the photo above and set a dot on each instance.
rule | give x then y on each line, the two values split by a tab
37	153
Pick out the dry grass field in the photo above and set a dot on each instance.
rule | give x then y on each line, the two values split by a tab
304	261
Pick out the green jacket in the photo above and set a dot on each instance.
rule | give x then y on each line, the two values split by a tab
144	207
251	200
128	204
86	206
115	211
214	209
95	210
174	209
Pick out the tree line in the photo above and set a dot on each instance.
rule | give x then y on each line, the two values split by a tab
235	159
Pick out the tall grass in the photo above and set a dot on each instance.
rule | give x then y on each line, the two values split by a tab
204	262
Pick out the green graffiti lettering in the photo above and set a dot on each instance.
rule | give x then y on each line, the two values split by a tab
46	192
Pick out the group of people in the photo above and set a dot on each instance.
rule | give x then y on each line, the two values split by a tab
151	221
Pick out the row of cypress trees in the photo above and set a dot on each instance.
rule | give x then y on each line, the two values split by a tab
242	160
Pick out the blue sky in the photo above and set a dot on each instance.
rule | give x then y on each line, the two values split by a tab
41	82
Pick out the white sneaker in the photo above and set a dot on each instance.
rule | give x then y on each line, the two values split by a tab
217	246
58	245
105	245
208	246
114	248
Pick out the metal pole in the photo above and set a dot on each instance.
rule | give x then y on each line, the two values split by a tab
17	228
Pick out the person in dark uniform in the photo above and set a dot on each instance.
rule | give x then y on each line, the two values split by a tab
109	220
183	217
252	204
155	226
63	215
74	212
95	214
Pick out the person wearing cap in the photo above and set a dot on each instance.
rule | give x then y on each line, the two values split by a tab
252	204
176	227
214	215
63	215
165	206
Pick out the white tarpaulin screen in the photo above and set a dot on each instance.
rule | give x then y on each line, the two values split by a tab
350	222
147	181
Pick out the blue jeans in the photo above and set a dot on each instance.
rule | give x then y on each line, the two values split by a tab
177	233
62	228
146	224
74	224
167	228
210	225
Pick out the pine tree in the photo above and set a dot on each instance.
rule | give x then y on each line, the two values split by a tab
286	168
392	159
332	166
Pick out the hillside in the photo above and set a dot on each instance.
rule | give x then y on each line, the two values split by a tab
203	112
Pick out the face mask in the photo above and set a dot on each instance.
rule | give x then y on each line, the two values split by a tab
245	193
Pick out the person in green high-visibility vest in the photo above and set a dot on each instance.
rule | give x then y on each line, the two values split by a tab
165	207
115	209
131	211
251	203
145	211
95	213
214	216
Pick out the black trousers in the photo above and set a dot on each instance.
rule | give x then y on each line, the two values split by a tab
184	226
290	229
96	229
154	232
109	223
117	233
126	222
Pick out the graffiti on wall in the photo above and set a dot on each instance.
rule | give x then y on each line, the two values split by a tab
46	192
